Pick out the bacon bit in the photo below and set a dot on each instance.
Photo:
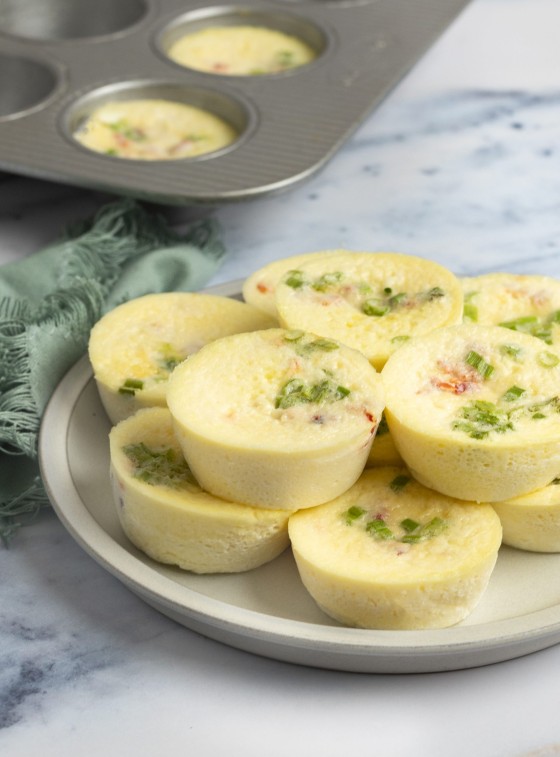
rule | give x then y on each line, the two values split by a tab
372	419
456	380
263	288
187	142
121	140
320	419
540	298
448	386
220	67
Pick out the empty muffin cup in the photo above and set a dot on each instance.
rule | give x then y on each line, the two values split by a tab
62	20
24	84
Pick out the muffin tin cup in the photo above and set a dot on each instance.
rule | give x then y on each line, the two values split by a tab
59	60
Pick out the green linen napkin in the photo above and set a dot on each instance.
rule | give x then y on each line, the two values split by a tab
48	304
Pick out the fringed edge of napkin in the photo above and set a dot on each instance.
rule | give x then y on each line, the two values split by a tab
93	255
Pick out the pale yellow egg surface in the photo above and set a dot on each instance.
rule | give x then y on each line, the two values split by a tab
371	301
241	51
532	521
134	347
475	411
152	129
520	302
391	554
276	418
166	514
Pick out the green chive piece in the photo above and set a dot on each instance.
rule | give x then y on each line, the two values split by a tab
477	361
134	383
400	339
375	307
434	293
427	531
399	482
353	513
525	324
159	467
130	386
293	336
479	418
409	525
325	345
548	359
513	393
295	279
296	392
510	350
327	281
470	312
379	529
396	299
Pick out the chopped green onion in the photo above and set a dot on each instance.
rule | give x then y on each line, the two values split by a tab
434	293
379	529
396	299
375	307
427	531
327	281
159	467
470	312
409	525
295	392
353	513
400	338
295	279
513	393
477	361
130	386
399	482
510	350
293	336
548	359
525	324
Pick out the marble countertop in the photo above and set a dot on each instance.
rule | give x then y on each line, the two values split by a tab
460	164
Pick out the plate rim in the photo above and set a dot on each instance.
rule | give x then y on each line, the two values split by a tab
300	642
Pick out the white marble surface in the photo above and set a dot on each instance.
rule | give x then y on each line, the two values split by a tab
459	164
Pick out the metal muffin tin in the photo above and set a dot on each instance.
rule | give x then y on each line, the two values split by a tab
61	58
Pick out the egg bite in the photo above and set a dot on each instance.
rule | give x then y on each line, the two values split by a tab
373	302
166	514
390	554
520	302
259	289
276	418
532	521
151	129
134	347
240	50
474	411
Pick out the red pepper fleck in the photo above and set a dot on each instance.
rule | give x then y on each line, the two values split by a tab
263	288
456	379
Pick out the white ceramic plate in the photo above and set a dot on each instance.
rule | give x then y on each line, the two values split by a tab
267	611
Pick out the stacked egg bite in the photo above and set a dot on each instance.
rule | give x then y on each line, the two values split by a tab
358	413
